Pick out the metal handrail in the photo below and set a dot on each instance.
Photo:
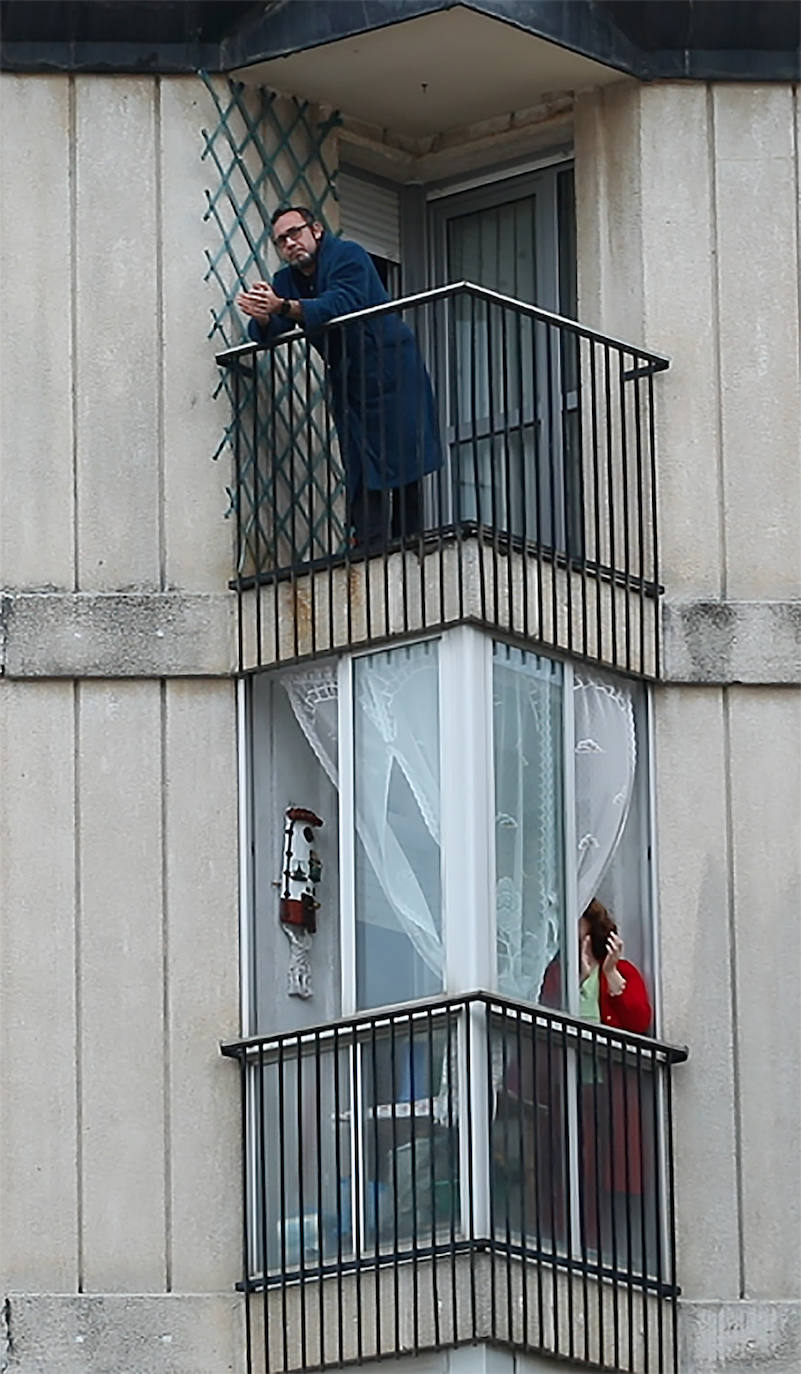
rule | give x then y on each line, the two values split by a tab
659	362
535	1012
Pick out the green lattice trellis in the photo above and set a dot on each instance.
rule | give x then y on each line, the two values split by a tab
268	150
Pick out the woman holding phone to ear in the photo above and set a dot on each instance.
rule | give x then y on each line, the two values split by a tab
611	989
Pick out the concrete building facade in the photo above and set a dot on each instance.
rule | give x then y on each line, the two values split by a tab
127	722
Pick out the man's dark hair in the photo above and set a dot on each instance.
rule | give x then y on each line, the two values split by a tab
293	210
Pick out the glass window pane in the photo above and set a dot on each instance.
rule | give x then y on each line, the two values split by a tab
399	953
527	735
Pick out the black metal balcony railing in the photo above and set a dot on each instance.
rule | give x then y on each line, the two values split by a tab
541	518
456	1170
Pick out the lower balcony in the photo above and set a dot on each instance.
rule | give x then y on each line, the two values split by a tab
460	1170
483	460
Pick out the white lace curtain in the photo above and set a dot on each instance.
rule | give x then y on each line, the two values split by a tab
396	727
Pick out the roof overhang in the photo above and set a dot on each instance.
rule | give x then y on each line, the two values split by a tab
434	72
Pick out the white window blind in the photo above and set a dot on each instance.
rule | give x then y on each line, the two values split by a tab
370	214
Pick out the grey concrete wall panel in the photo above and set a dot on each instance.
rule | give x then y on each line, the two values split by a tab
198	541
680	310
694	907
163	634
118	392
765	729
732	641
36	475
202	988
38	1072
122	1039
757	258
751	1337
116	1334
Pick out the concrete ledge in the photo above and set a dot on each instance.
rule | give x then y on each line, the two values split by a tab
753	1337
125	634
114	1333
751	642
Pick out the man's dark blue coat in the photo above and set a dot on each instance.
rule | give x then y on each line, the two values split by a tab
379	390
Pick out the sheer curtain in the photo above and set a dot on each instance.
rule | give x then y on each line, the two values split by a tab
395	731
527	727
605	765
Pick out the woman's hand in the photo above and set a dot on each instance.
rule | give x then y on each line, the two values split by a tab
586	960
614	953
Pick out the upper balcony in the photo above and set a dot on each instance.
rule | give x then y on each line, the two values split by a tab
509	481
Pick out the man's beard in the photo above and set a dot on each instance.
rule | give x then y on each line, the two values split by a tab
305	260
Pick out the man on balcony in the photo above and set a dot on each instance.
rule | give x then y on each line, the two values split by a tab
379	389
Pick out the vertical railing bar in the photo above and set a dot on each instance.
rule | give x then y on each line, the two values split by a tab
492	1219
432	1169
627	1194
503	1095
596	480
615	1257
311	551
539	447
329	497
468	1120
565	1181
301	1208
596	1169
535	1078
564	447
521	449
415	1200
338	1173
492	479
395	500
643	1233
624	474
366	564
452	1171
320	1231
240	496
376	1191
259	1095
610	477
476	464
438	478
282	1201
293	486
507	468
656	1093
552	470
581	1057
566	1096
654	529
579	514
257	549
272	355
393	1066
357	1197
674	1308
638	449
406	534
354	491
524	1153
246	1215
455	466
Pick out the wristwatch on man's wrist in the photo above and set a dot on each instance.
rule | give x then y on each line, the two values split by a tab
285	308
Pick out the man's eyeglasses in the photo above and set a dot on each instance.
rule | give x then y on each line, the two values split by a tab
281	240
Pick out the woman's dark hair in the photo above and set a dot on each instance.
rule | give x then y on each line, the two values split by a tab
293	210
601	927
